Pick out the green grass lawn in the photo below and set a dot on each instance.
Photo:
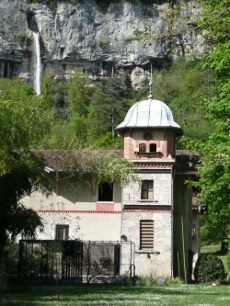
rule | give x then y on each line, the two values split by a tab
199	295
111	294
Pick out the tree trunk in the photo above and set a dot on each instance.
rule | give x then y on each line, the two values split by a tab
224	247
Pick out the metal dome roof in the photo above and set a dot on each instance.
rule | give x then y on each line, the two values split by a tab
149	113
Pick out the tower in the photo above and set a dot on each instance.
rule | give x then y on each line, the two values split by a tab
149	133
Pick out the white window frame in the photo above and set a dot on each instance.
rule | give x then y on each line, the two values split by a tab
147	189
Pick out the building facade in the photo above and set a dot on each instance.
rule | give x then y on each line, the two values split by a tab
153	221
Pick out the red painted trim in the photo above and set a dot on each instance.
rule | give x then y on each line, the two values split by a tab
76	212
104	207
147	208
145	211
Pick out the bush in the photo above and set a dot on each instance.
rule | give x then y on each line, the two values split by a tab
21	39
228	261
209	268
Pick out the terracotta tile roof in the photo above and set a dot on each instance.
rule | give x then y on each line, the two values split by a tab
63	160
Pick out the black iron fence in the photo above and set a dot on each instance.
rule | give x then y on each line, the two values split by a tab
83	261
101	260
50	259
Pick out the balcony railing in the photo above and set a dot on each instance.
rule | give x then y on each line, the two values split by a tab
148	154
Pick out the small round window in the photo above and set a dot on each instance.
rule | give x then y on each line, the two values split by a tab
147	136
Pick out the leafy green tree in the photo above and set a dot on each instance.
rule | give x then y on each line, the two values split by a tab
79	93
214	168
47	86
99	165
79	90
24	118
71	101
183	87
108	108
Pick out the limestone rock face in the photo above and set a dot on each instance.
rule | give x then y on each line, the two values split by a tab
85	35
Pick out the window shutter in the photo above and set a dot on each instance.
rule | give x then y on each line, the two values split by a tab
146	234
142	147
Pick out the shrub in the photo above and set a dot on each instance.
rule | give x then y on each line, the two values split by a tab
103	44
209	268
172	281
228	261
21	39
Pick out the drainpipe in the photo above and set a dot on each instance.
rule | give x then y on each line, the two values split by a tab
121	229
172	221
172	209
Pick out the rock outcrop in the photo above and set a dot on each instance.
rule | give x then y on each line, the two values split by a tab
123	37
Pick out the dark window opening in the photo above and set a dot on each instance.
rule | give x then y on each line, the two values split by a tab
152	147
63	67
105	192
142	147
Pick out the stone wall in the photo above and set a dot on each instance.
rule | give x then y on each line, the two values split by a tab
162	189
155	262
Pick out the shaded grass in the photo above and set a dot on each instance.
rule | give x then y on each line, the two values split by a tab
99	294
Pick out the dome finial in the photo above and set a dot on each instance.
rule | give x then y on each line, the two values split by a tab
150	85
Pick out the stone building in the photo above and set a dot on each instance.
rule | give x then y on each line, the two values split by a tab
155	223
156	216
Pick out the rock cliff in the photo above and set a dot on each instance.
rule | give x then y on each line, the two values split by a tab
85	35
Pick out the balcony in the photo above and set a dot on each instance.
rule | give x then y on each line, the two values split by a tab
148	154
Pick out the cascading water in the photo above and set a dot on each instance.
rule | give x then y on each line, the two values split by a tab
37	64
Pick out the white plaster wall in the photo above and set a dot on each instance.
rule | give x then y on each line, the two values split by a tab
84	226
38	201
78	209
70	197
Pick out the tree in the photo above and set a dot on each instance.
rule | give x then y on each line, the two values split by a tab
182	87
71	101
214	168
24	118
79	90
100	166
108	108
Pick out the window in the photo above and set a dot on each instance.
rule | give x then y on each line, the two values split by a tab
147	190
147	136
142	147
105	192
153	147
146	234
62	232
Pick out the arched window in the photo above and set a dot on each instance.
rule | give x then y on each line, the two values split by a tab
142	147
152	147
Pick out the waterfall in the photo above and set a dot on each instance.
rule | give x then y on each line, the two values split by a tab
37	64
